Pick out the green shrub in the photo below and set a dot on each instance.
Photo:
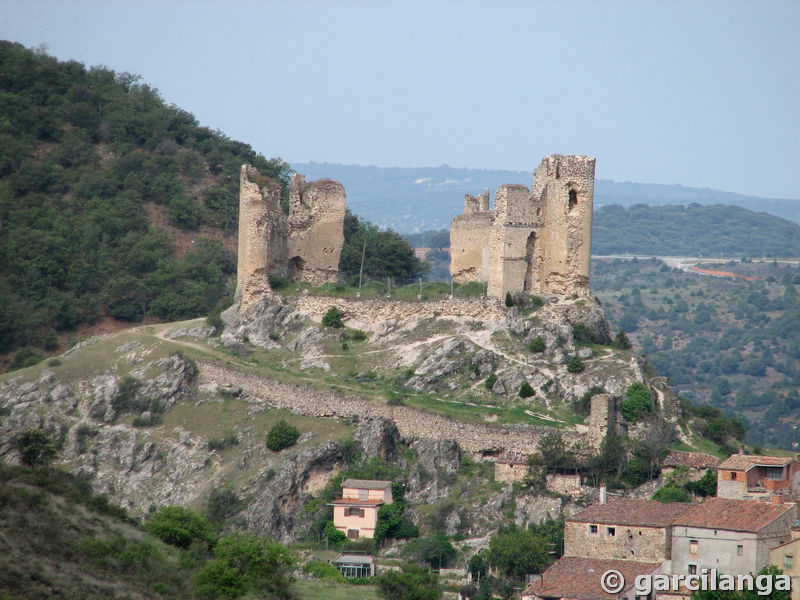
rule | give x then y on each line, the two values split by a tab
535	302
490	381
637	402
672	493
35	448
537	344
636	472
55	362
124	399
222	503
278	282
525	390
282	435
509	300
575	364
180	526
333	318
621	341
215	320
358	335
323	570
25	358
333	536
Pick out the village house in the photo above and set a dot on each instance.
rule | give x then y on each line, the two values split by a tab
356	513
787	558
749	477
579	578
645	536
623	528
732	536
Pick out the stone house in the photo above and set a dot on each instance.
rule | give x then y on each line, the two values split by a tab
749	477
356	513
732	536
579	578
787	558
623	529
695	463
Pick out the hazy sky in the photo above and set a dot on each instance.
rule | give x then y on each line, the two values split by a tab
698	93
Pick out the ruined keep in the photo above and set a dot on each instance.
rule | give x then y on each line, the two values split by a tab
304	245
536	240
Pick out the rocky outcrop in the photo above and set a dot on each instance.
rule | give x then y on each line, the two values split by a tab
279	494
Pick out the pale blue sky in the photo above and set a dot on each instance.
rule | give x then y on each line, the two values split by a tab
698	93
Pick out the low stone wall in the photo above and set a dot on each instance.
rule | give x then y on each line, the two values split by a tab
377	310
412	423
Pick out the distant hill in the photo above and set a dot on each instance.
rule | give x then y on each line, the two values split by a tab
415	199
693	230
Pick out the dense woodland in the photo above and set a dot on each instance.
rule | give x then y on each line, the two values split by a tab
115	204
732	343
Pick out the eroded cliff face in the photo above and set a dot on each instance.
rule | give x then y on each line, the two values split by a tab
145	424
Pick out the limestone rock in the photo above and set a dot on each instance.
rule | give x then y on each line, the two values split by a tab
279	496
378	437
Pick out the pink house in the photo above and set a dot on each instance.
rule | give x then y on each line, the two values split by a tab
356	512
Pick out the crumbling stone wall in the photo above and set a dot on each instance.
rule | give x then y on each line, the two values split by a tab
536	240
304	245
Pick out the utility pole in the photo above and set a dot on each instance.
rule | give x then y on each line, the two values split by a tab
361	270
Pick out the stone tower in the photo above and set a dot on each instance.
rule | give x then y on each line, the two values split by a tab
534	241
304	245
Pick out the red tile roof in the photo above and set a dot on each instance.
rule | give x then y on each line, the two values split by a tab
743	462
636	513
352	502
579	578
694	460
733	515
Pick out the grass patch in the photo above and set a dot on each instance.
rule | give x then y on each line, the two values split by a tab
328	590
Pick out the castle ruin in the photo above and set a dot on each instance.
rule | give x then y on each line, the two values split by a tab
304	245
536	240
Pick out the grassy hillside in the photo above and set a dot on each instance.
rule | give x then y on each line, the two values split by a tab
733	343
112	203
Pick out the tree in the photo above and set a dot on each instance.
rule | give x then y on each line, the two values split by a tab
282	435
180	526
705	486
654	440
672	493
517	552
412	582
575	364
247	563
436	551
333	318
621	341
525	390
637	402
537	344
35	448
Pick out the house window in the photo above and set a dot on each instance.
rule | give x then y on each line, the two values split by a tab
692	569
788	562
775	473
363	495
612	531
692	546
739	550
352	534
592	528
353	512
733	474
